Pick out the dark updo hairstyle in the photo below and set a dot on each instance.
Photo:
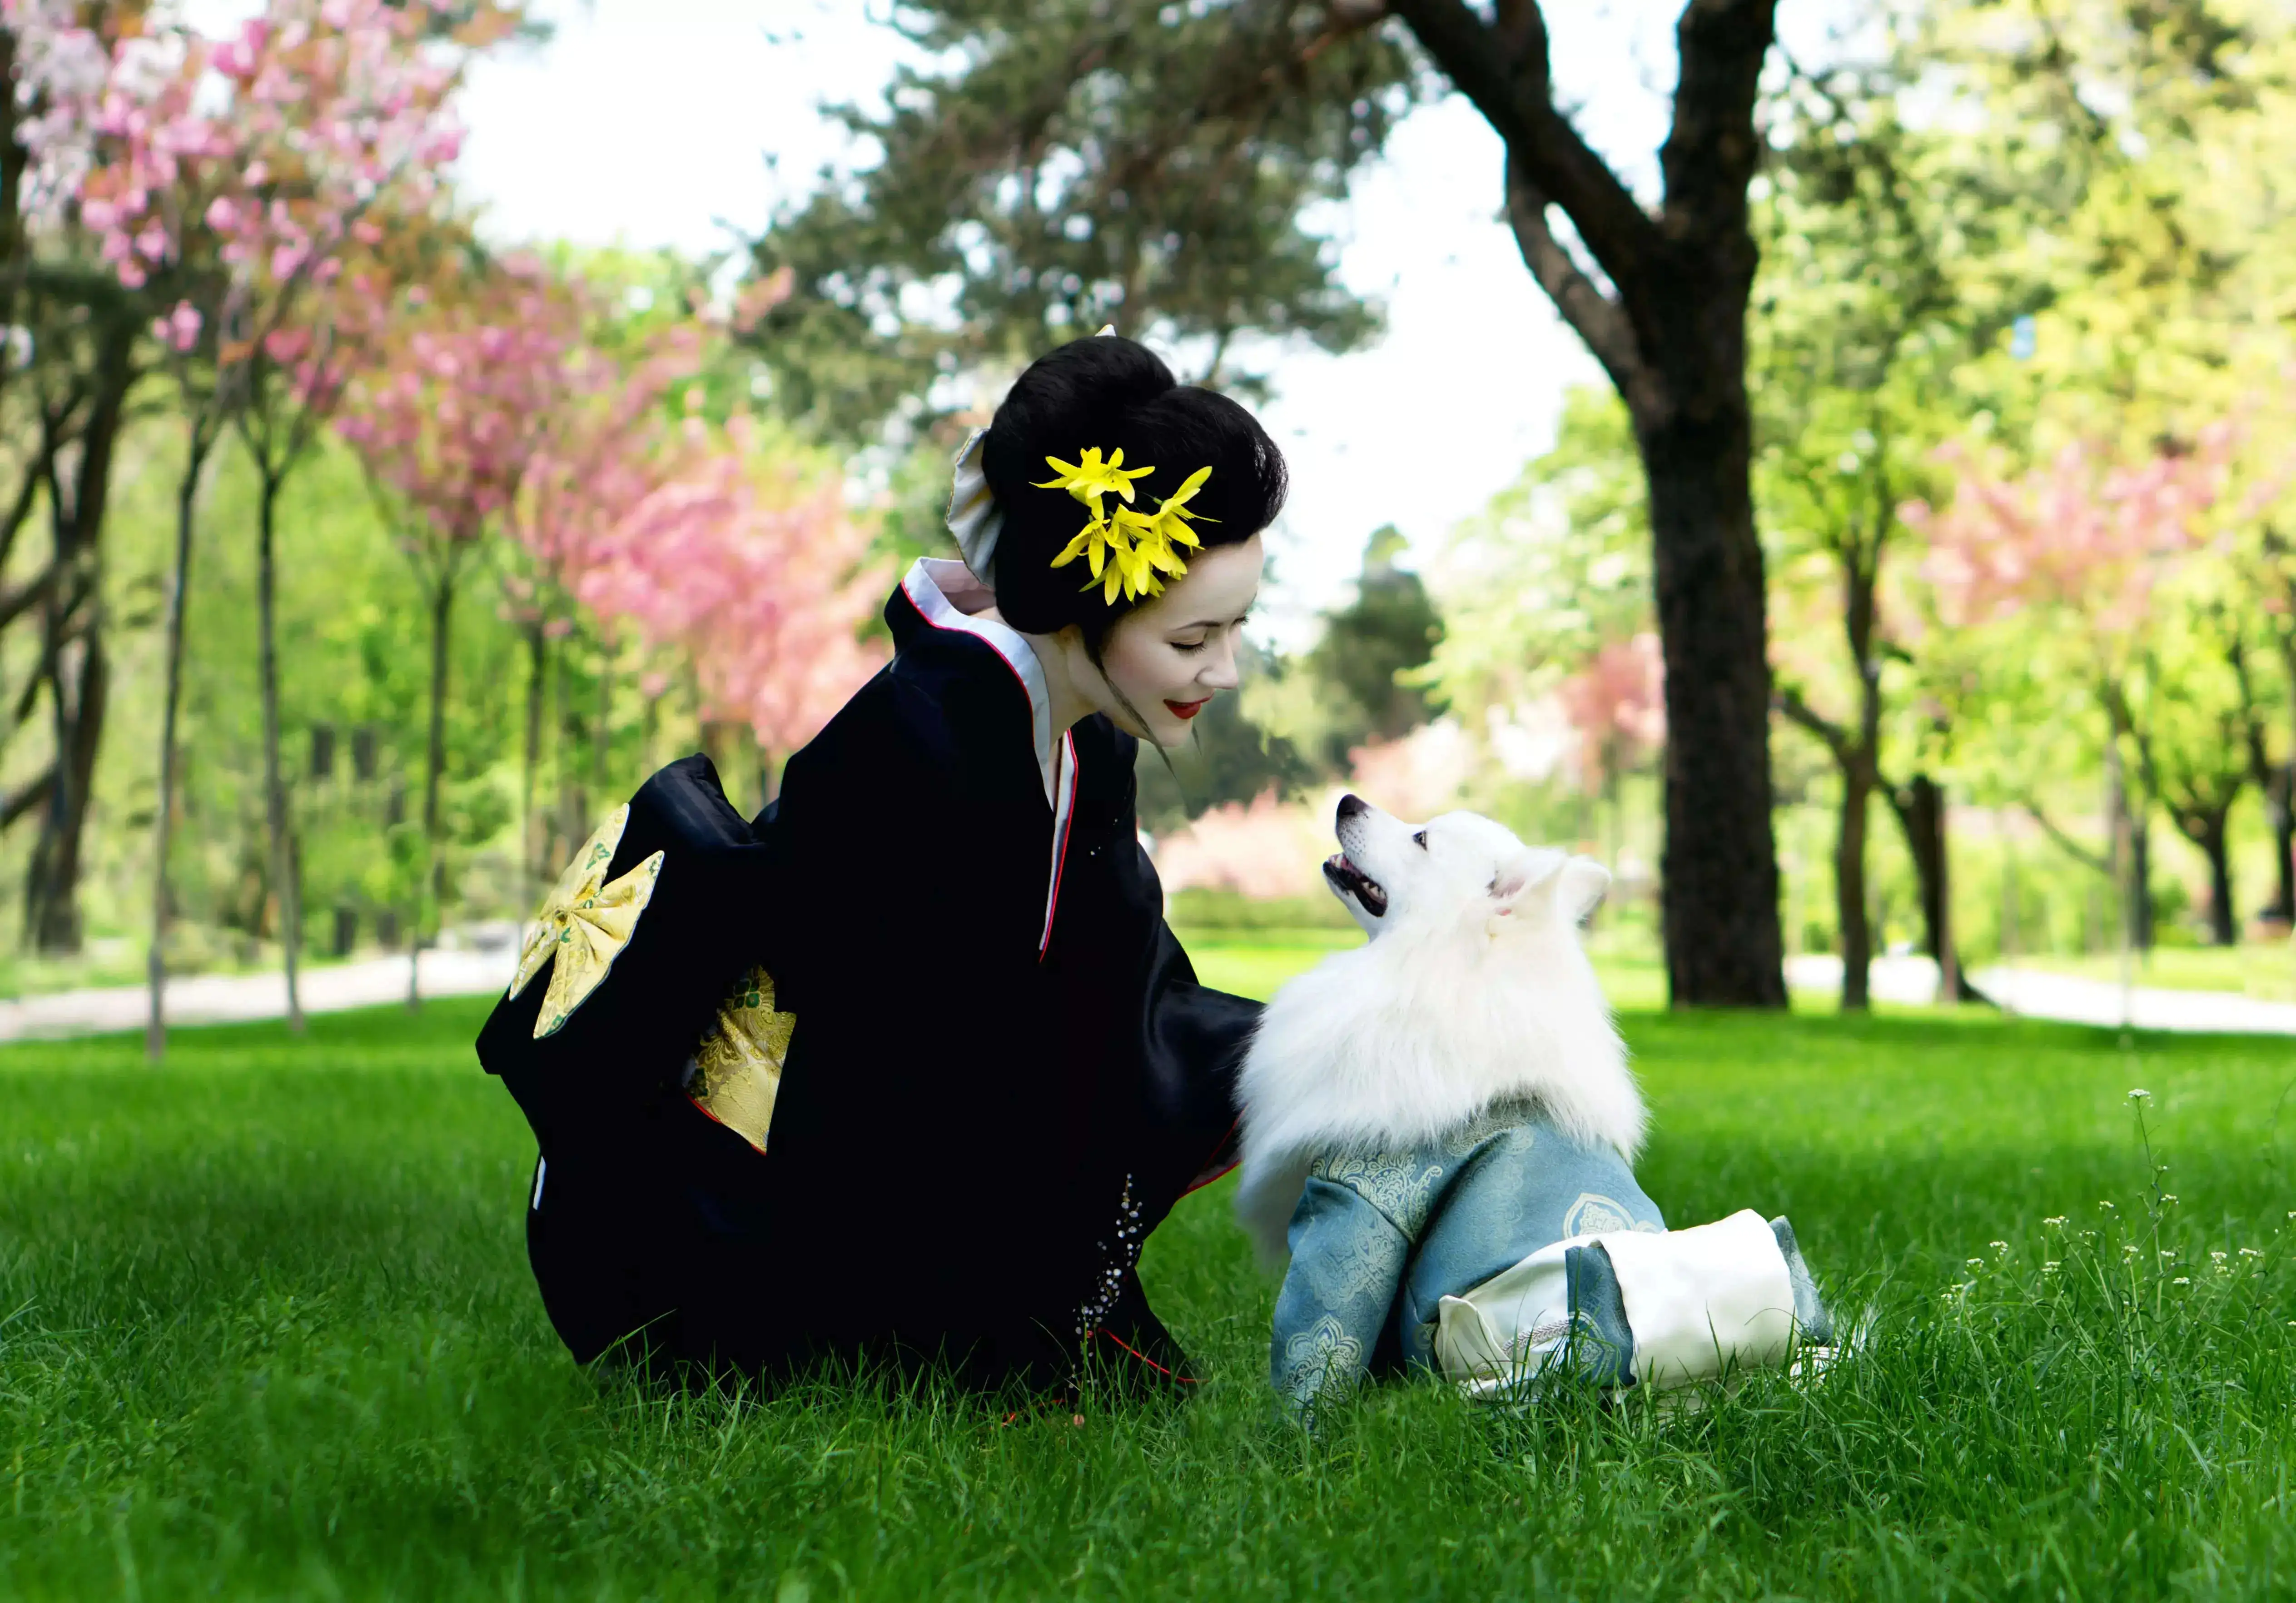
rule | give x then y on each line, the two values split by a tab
1112	393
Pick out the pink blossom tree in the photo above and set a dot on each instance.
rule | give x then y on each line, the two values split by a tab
755	580
74	358
2074	556
231	178
608	442
442	426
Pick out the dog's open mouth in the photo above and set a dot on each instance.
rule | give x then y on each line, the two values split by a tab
1351	881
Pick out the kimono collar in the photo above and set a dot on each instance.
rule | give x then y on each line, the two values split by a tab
948	597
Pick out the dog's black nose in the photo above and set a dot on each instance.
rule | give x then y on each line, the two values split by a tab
1351	804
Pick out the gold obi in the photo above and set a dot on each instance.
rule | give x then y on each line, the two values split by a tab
736	1070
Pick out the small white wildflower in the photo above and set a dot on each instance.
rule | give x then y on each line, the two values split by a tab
2167	1252
2054	1223
1977	1264
2168	1199
2109	1208
2181	1280
2088	1235
2249	1251
2218	1257
2050	1268
2140	1095
2000	1248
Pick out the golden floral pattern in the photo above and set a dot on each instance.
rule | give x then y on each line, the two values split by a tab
584	924
737	1072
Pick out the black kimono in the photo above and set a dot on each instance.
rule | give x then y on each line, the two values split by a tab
1001	1075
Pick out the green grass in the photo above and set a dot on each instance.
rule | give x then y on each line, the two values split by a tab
266	1330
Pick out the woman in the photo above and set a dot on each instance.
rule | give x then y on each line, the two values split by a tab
954	1066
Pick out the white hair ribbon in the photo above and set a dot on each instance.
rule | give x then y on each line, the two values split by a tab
974	516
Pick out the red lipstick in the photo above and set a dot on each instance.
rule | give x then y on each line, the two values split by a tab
1187	708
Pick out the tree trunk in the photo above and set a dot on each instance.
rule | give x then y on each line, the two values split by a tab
2224	929
79	667
2008	890
529	866
2139	908
1719	873
155	1032
274	783
442	604
1850	888
1921	818
2283	795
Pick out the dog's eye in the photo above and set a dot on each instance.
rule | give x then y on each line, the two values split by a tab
1420	840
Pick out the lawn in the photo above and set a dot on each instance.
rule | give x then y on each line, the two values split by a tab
266	1330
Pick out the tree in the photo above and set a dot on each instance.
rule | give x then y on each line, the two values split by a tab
602	445
2074	556
348	124
442	429
1660	301
1370	647
1135	162
231	177
75	356
1886	272
755	580
2201	740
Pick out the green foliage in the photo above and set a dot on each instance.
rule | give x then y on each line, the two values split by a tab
269	1331
1554	568
1363	678
1044	169
1229	757
1369	650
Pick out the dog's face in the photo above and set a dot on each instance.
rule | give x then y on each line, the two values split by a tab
1460	866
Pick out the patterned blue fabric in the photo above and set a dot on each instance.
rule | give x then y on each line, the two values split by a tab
1379	1240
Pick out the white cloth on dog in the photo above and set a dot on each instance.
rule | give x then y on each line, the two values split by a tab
1705	1299
1512	1324
1700	1303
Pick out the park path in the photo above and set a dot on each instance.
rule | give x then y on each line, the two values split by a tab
221	999
2034	994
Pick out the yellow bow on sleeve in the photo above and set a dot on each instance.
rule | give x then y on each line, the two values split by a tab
584	923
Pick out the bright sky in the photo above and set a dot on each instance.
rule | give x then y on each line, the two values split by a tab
671	122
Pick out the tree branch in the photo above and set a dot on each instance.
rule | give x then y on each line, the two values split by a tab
1787	701
16	806
1599	320
1504	70
2070	847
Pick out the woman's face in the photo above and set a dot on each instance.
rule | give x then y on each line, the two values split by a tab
1172	655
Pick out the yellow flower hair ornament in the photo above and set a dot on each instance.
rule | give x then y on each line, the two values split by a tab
1128	550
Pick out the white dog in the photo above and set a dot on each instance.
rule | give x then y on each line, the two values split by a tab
1443	1124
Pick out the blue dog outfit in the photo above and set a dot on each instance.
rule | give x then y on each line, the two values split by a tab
1508	1254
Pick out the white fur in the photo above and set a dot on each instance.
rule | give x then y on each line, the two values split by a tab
1473	988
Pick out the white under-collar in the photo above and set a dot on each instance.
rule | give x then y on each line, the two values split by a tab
950	598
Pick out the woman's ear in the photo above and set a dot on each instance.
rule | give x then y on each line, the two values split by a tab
1583	884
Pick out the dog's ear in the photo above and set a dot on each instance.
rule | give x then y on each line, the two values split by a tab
1582	883
1519	876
